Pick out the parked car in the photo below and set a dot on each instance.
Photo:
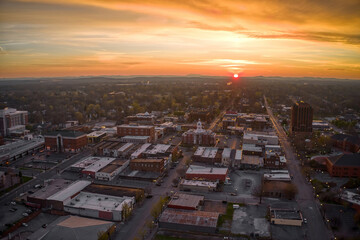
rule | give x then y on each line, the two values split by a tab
25	214
25	224
233	194
13	203
149	196
29	211
30	192
44	225
305	220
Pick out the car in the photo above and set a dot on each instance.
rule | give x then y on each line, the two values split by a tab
44	225
233	194
13	203
22	194
12	210
37	186
149	196
158	184
25	214
25	224
30	192
305	220
28	211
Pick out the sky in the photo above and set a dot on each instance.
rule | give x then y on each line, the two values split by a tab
303	38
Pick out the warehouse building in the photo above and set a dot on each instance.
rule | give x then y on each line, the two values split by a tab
197	186
192	221
109	172
288	217
92	169
196	172
83	163
39	198
186	201
59	199
99	206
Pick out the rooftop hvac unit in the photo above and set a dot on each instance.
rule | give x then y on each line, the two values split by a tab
72	203
77	199
99	199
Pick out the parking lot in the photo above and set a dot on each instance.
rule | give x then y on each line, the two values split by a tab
250	220
244	182
8	216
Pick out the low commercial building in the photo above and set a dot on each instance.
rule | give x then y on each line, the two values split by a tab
39	198
159	150
136	130
92	169
251	162
139	151
192	221
207	155
197	186
278	189
110	171
238	158
73	227
278	175
83	163
112	148
273	148
136	139
96	137
148	165
288	217
186	201
65	141
141	118
99	206
344	165
252	149
196	172
260	138
226	156
272	160
62	197
117	191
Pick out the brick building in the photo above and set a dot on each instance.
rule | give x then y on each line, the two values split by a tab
199	136
346	142
344	165
141	118
274	161
65	141
301	118
136	130
148	165
12	121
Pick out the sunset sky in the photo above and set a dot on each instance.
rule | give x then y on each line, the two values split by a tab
318	38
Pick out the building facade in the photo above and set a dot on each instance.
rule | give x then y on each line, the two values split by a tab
199	136
301	118
148	165
344	165
136	130
65	141
12	121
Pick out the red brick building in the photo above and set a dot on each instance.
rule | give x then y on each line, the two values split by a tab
195	172
148	165
199	136
136	130
65	141
344	165
346	142
274	161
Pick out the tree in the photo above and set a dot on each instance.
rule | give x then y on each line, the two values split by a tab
175	181
102	235
79	117
126	211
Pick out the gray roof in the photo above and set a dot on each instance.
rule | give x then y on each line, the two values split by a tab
346	160
72	134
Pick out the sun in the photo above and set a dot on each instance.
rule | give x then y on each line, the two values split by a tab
236	75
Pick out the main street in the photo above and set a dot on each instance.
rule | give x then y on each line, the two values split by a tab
316	228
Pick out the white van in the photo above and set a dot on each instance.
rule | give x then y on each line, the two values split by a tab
236	206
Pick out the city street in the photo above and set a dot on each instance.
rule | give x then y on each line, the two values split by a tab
317	229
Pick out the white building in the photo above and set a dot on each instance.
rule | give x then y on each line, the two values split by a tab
110	171
99	206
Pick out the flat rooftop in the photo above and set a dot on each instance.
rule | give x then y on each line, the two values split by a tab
251	160
198	183
135	126
96	134
289	214
96	166
195	169
147	160
158	148
210	152
85	162
277	177
251	148
100	202
140	150
130	137
226	153
193	218
109	168
238	154
21	146
72	189
53	186
185	200
125	147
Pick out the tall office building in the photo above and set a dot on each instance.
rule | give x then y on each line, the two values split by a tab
301	118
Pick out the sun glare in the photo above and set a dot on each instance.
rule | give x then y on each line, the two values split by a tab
236	75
